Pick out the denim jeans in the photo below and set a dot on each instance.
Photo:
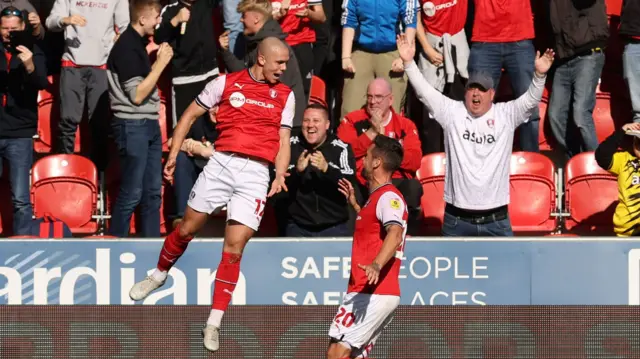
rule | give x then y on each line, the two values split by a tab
575	80
19	154
631	67
140	150
184	177
231	22
456	227
339	230
518	59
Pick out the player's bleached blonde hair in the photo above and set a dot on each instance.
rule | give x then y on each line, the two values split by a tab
261	6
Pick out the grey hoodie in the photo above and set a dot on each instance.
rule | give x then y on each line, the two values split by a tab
89	45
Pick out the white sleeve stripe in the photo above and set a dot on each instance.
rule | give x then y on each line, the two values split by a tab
387	223
165	9
410	11
345	12
199	103
344	162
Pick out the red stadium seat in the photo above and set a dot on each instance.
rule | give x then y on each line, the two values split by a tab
431	176
545	135
591	195
532	193
609	114
48	118
317	93
614	7
602	117
66	186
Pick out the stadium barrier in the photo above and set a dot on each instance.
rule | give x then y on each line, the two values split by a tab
279	332
277	271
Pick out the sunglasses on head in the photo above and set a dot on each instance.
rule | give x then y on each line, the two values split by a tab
11	12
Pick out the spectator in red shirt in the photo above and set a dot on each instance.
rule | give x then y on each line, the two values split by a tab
295	18
359	129
502	38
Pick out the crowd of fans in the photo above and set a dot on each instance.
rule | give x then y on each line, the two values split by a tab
98	48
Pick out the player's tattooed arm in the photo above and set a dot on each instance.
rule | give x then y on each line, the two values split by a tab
391	243
346	188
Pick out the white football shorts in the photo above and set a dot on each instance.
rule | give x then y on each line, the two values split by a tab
360	320
237	182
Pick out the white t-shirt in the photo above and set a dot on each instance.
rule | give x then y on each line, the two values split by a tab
478	150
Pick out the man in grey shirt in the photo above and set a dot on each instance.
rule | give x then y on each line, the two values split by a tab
478	143
89	34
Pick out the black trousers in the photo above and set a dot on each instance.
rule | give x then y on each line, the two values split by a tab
306	61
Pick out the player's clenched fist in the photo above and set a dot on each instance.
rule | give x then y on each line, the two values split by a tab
373	272
223	40
165	53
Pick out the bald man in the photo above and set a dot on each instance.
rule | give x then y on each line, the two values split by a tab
377	118
255	113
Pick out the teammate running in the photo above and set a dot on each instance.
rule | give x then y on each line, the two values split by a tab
255	113
378	244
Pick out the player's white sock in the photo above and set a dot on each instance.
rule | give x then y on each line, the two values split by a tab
215	318
159	275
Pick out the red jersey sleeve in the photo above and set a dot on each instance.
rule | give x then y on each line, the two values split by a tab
212	93
289	111
412	148
390	209
347	133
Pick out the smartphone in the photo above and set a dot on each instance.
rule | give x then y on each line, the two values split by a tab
20	38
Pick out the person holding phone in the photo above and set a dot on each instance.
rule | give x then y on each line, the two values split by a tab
23	73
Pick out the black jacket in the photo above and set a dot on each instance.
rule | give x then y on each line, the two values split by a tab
194	52
578	26
630	18
291	77
314	201
19	116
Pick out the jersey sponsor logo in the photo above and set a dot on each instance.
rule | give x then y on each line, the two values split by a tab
259	103
478	138
237	99
635	180
430	8
395	204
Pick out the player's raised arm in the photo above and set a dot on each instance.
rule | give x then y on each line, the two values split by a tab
208	98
